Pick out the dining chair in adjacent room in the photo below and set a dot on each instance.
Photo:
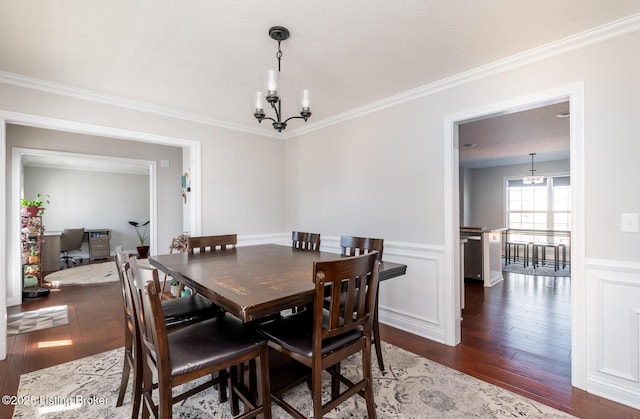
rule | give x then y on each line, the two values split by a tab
207	348
321	338
177	313
352	246
212	243
305	241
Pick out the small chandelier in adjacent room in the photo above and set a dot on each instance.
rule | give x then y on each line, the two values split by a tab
532	179
279	34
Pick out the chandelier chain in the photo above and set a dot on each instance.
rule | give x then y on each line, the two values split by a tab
279	55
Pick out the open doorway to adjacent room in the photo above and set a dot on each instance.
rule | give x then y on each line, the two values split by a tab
524	316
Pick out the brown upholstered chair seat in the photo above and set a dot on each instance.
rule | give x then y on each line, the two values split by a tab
187	310
295	333
214	341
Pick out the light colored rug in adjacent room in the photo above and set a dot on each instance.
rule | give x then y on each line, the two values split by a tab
95	273
412	387
43	318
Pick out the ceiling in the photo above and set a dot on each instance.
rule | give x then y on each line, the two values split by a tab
205	59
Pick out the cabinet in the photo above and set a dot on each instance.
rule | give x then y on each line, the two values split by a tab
32	239
99	244
482	254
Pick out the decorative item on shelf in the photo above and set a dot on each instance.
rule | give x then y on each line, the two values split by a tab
142	232
32	208
531	179
185	185
279	34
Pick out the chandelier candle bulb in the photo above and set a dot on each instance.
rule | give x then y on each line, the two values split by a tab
272	83
258	104
304	100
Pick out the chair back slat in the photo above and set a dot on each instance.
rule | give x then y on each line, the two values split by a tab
153	333
212	243
358	275
305	241
122	258
354	246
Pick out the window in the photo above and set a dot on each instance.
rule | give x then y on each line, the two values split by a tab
546	206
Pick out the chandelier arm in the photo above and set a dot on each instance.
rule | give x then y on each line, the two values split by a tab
277	110
269	118
295	117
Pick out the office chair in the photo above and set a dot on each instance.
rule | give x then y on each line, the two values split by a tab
71	239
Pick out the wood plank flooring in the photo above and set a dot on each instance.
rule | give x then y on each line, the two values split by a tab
515	335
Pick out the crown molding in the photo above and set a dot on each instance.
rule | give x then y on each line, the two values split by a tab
587	38
593	36
122	102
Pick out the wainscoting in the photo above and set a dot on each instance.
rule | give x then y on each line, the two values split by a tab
613	335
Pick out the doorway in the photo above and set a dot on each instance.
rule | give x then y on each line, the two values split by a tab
574	94
523	321
11	289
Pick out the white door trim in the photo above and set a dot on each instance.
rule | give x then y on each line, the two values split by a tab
10	256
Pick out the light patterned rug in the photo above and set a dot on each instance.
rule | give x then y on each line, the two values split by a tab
43	318
96	273
411	387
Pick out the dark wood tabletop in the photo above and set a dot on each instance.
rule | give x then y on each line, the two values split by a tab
254	282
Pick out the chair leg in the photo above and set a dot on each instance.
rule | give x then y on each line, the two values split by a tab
376	336
165	403
234	381
368	390
264	395
126	370
137	382
316	392
335	383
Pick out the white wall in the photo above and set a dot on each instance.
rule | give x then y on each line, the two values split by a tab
382	175
488	191
91	200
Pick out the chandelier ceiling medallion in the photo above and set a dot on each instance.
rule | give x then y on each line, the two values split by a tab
279	34
532	179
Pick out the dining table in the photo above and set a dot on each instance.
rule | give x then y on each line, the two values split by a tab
254	282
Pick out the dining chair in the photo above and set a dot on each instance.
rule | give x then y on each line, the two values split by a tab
131	346
352	246
177	313
305	241
207	348
321	338
212	243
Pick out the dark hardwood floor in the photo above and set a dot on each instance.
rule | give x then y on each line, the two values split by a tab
515	335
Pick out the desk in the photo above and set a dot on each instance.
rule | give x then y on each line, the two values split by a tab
254	282
51	251
99	243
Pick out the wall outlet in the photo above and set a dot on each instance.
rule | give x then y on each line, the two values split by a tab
629	223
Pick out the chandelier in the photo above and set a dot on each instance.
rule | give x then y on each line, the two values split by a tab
279	34
531	179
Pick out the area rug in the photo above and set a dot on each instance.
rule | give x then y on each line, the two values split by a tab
95	273
541	270
411	387
43	318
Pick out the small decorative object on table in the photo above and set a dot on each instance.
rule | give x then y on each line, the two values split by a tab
142	230
175	287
